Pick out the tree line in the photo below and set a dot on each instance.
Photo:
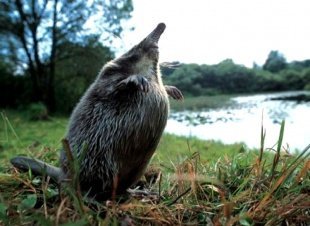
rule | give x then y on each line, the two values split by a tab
48	50
229	78
48	55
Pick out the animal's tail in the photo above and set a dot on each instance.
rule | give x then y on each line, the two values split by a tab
37	167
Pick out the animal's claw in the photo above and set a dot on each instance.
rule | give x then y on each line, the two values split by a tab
137	81
174	92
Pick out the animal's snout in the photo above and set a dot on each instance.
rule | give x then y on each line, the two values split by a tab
156	33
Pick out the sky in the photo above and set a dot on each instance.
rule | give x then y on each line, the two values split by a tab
209	31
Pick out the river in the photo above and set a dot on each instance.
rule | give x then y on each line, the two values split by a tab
242	121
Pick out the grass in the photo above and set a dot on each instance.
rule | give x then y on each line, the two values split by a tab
202	102
200	183
18	135
42	139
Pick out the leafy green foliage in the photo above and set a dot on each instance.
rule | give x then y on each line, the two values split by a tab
306	78
114	12
33	35
14	89
275	62
230	78
78	70
37	111
28	202
3	217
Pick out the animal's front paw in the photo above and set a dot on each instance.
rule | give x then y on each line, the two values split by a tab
136	81
174	92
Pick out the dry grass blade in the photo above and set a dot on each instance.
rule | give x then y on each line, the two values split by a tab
282	178
60	210
303	172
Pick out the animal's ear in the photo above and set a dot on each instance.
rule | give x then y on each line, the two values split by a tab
174	92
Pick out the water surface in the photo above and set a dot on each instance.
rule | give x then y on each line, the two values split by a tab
241	122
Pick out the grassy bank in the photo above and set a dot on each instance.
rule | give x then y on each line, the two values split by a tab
196	103
202	102
199	182
19	135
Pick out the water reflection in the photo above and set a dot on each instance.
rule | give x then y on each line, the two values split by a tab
241	122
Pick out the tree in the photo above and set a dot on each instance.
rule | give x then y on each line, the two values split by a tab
74	74
306	78
275	62
234	78
32	32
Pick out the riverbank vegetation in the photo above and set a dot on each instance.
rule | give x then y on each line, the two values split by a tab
202	102
199	182
230	78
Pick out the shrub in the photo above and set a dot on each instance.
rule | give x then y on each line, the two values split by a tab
37	111
307	87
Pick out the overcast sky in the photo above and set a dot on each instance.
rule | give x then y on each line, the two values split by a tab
209	31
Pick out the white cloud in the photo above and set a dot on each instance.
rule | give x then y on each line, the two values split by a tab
209	31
